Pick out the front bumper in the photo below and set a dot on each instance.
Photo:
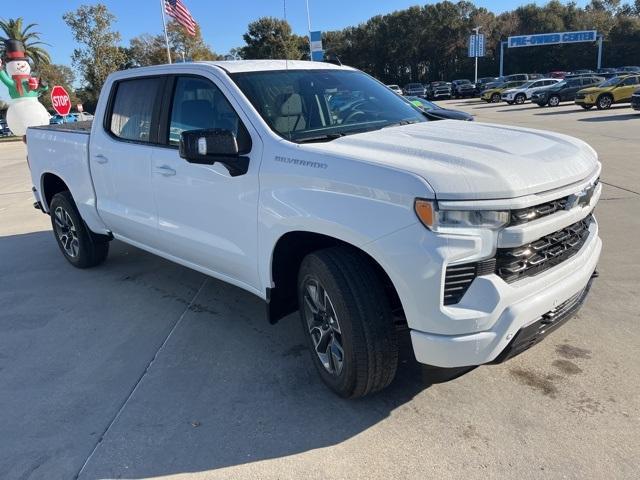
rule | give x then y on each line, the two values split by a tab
635	102
521	304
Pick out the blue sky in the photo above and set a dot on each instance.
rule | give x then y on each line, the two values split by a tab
222	23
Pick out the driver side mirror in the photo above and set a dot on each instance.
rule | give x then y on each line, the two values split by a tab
206	147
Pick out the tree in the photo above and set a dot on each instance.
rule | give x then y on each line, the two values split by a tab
146	49
14	29
53	75
99	53
270	37
193	47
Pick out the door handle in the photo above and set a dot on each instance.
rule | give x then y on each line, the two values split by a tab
101	159
166	171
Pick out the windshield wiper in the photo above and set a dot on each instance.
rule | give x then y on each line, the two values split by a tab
400	123
327	137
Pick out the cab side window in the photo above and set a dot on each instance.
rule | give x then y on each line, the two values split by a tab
133	107
199	105
630	81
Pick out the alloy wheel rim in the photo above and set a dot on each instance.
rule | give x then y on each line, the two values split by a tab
323	326
605	102
554	101
66	232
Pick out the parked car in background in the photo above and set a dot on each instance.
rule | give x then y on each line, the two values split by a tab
523	93
517	77
462	88
494	95
82	116
482	83
59	119
557	74
582	71
615	90
4	128
629	69
635	100
606	70
564	91
439	90
414	89
395	88
439	112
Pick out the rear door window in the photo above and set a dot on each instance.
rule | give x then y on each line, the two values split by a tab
133	107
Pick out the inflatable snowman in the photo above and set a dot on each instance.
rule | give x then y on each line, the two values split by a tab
24	108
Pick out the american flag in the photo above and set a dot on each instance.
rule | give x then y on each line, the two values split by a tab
177	10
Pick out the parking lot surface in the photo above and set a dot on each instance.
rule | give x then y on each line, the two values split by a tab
141	368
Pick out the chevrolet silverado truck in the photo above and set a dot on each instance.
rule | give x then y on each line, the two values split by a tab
371	220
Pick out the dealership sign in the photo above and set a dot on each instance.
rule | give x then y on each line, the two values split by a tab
552	38
317	53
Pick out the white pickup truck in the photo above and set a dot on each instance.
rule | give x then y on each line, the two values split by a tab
318	189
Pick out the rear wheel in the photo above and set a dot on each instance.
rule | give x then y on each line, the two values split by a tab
347	321
495	98
520	98
554	100
587	107
604	102
81	247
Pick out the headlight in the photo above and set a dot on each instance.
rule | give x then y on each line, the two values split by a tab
435	219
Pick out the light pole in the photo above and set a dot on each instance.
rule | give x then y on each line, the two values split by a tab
477	41
309	25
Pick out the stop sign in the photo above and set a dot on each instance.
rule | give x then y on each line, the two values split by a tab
60	100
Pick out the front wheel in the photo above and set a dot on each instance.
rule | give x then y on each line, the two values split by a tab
520	98
347	321
604	102
554	100
495	98
81	247
587	107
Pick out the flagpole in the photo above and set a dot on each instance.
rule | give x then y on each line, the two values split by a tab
164	24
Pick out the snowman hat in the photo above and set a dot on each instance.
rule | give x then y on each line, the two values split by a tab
14	50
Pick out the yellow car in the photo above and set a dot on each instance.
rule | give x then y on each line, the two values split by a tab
493	95
615	90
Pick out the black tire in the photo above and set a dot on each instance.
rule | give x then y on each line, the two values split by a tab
604	102
554	100
361	311
81	247
495	98
510	102
520	98
587	107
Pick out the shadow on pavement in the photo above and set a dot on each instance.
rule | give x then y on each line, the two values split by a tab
225	389
611	118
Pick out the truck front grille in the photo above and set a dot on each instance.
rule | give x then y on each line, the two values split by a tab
512	264
515	263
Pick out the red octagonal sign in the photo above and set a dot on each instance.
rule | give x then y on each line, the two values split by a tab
60	100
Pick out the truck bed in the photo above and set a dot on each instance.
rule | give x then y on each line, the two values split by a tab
62	151
75	127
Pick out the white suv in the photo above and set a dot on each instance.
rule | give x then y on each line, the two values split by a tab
523	93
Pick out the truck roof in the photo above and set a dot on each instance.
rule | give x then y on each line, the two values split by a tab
237	66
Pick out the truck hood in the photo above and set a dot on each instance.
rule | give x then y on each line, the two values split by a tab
470	160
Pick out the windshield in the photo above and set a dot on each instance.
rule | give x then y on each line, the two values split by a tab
320	105
611	82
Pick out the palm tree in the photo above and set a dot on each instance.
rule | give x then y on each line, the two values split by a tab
13	29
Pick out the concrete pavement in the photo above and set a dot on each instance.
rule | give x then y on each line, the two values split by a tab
143	369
